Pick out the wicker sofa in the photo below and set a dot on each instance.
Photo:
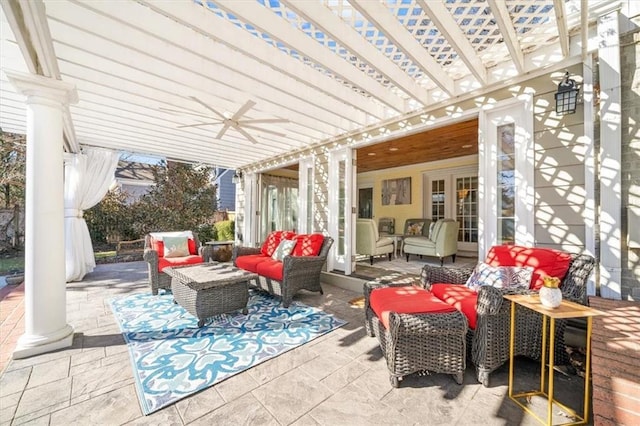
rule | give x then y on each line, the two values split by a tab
297	271
154	255
489	323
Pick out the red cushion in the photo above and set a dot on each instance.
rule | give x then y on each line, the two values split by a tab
250	262
158	246
271	269
405	300
461	297
163	262
192	246
308	244
544	261
273	240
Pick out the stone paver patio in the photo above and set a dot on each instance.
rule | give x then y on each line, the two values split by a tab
340	378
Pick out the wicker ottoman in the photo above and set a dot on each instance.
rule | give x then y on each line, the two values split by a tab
209	289
431	338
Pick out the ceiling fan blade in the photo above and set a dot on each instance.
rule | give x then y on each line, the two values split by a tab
262	129
263	120
208	107
243	109
198	125
184	112
223	130
245	134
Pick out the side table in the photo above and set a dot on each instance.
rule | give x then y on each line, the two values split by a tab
566	310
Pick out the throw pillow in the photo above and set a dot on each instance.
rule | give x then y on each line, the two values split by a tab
499	276
176	246
308	244
415	228
284	249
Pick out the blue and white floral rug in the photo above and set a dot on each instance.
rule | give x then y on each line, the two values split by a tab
172	358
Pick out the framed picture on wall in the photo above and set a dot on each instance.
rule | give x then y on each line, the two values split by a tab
396	191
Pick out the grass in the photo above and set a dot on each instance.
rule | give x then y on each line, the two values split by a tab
12	264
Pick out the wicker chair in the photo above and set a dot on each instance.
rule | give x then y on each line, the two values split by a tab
299	272
157	279
418	342
489	342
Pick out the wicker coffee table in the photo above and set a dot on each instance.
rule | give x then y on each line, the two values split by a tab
209	289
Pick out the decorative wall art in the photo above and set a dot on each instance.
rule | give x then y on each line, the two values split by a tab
396	191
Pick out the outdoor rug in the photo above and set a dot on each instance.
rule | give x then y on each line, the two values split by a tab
172	358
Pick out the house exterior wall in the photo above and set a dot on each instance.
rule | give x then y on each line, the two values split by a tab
560	149
630	67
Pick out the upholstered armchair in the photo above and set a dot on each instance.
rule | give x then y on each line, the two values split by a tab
441	242
369	242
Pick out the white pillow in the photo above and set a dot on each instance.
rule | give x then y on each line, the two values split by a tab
284	249
500	276
159	236
176	246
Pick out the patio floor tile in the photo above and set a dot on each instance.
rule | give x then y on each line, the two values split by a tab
245	410
291	395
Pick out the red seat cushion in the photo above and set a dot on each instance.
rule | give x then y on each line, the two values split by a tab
163	262
273	240
308	245
461	297
544	261
250	262
271	269
405	300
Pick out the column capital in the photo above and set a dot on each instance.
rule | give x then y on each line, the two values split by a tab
38	86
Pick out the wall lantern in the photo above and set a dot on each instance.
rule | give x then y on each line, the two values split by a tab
567	96
237	177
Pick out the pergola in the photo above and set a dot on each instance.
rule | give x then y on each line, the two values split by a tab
177	80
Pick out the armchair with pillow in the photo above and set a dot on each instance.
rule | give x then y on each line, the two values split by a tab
286	262
441	240
508	269
179	248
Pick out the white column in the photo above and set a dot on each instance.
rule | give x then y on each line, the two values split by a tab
46	327
610	156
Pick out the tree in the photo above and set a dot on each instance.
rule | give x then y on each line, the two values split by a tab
182	198
12	169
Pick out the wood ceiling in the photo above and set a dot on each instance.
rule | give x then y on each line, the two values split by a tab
446	142
437	144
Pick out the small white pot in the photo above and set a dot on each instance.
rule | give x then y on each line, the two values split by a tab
550	297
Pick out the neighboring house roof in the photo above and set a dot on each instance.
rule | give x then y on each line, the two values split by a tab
134	171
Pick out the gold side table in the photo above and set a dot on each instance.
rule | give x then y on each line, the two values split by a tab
566	310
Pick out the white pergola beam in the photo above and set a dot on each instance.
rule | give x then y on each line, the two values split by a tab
28	21
380	16
503	19
325	20
561	20
195	72
266	21
445	23
207	23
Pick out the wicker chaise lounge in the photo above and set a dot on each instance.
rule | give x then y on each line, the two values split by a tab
489	342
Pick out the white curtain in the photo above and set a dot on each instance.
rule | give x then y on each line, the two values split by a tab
86	181
279	204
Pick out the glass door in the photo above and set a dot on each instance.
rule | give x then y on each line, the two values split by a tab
342	196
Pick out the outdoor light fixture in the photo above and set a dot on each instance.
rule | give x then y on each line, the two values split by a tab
237	177
567	96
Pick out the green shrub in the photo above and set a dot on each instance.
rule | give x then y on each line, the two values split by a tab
225	230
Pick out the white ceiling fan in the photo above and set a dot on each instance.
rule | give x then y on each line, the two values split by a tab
234	122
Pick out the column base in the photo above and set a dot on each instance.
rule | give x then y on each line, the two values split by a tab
30	345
